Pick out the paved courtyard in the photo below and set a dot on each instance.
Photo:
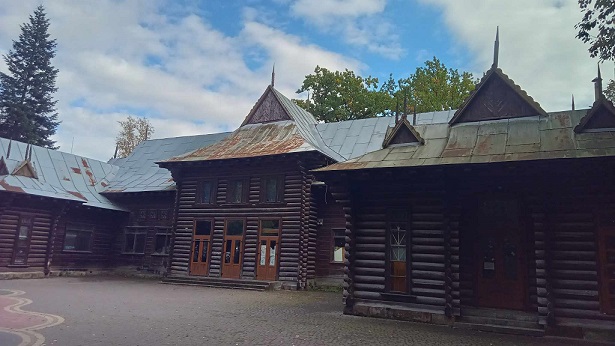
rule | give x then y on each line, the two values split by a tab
110	311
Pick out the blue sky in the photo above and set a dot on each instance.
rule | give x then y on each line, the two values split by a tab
199	66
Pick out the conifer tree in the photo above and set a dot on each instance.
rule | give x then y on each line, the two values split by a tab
27	106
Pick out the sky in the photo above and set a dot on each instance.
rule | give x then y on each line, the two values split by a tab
196	67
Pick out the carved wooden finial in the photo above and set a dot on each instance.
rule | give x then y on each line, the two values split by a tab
117	147
403	115
397	112
572	101
414	115
273	75
30	156
598	85
8	151
496	48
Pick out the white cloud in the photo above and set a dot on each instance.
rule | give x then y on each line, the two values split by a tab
538	48
359	22
126	57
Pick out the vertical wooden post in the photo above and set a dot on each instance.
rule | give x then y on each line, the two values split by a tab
62	210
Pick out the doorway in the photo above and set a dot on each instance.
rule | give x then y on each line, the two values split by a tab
233	248
201	247
269	244
500	255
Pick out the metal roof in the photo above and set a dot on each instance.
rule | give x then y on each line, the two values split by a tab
299	134
139	172
517	139
59	175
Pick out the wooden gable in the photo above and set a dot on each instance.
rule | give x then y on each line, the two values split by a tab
496	97
402	133
267	109
25	169
601	117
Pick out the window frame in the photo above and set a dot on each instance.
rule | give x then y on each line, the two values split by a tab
166	232
391	220
333	237
280	180
213	192
245	182
79	228
134	230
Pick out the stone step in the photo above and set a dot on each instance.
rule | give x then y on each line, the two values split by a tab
502	329
259	289
219	282
500	322
500	314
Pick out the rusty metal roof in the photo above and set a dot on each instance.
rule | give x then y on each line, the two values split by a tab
299	134
59	175
517	139
139	171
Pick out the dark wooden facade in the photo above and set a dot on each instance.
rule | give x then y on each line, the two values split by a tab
560	210
295	261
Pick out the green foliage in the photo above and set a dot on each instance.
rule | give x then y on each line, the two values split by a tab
598	28
337	96
609	92
27	107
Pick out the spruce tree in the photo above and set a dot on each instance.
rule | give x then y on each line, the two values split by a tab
27	107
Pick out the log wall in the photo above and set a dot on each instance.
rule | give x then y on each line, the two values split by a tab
332	216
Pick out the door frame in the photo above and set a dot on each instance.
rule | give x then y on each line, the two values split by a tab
278	247
234	237
201	238
526	232
32	217
605	228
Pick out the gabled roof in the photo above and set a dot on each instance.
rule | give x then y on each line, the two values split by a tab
139	172
496	97
601	117
506	140
402	133
274	126
60	175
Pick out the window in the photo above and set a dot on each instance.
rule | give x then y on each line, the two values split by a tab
339	243
398	248
162	241
164	214
134	240
153	215
272	189
206	193
237	191
22	243
78	237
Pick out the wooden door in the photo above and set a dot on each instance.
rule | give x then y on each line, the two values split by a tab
268	250
233	249
21	247
201	247
500	255
606	252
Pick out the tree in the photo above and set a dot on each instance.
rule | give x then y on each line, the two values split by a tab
434	87
133	131
609	92
336	96
27	107
598	28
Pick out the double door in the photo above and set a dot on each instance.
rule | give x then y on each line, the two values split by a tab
232	255
268	250
201	247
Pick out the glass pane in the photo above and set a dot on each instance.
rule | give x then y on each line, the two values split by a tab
510	260
23	232
234	227
21	256
82	242
140	243
272	249
161	244
263	252
488	247
398	234
271	190
195	251
338	254
237	252
129	243
205	251
236	191
227	251
270	227
69	240
202	227
398	253
206	190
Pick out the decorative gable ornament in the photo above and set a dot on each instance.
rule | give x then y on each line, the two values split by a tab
496	97
601	117
3	169
403	133
25	169
267	109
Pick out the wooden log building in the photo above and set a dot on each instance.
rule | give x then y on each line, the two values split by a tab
497	215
